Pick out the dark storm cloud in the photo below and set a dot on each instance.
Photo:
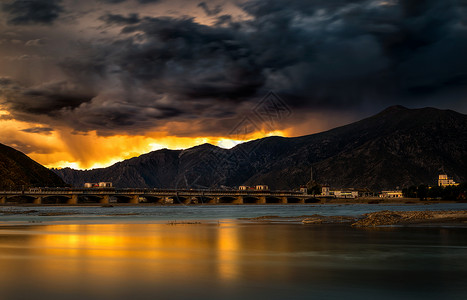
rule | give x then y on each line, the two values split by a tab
106	113
182	57
35	43
113	19
148	1
120	1
49	102
112	1
30	12
39	130
348	52
210	11
223	20
5	81
331	54
47	99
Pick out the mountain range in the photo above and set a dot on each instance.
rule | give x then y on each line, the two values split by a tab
397	147
17	171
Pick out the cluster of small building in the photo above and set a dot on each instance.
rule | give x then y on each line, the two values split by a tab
260	187
98	185
443	181
391	194
326	191
346	193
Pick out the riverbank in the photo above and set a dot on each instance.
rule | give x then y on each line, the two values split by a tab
309	214
381	218
379	200
319	201
456	218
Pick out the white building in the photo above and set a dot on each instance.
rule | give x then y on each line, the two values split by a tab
327	192
344	194
105	184
391	194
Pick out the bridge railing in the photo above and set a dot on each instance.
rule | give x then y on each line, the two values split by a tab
127	191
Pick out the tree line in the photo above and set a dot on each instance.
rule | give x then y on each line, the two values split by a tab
425	192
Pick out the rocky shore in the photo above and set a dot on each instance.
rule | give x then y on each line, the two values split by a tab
381	218
456	218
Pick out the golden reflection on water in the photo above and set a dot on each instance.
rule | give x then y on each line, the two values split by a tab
227	260
227	251
112	251
118	241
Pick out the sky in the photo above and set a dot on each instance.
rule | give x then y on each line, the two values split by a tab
87	83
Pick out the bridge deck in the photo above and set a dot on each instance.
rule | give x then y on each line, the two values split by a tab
163	196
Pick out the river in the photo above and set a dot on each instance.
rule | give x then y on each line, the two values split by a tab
205	252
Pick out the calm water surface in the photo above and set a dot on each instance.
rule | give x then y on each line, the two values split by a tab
96	214
138	257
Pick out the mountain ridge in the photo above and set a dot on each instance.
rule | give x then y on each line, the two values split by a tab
396	147
17	170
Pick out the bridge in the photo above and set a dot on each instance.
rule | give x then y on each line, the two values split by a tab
104	196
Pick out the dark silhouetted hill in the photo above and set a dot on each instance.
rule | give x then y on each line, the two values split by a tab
395	148
18	170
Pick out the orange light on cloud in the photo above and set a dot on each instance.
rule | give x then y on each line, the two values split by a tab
62	148
94	151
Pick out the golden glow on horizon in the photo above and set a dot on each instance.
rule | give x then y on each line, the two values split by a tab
101	151
61	148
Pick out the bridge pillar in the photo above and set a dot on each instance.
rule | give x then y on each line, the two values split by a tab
238	200
73	200
37	200
262	200
105	199
168	200
284	200
2	200
214	200
134	199
302	201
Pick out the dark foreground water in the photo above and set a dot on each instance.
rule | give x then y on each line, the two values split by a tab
134	258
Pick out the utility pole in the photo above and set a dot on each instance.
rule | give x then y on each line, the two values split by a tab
311	181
